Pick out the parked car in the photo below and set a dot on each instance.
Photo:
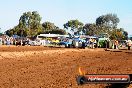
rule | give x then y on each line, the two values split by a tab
34	43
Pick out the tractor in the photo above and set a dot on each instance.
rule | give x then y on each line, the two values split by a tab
104	41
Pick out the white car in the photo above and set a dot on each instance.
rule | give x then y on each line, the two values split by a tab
34	43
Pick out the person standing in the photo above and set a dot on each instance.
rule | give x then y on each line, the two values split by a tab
115	44
129	44
8	41
90	42
83	45
93	40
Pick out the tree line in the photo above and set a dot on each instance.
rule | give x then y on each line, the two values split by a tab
30	26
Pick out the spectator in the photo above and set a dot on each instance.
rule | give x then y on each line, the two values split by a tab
115	44
83	45
93	40
129	44
7	41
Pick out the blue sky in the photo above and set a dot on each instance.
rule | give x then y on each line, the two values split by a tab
60	11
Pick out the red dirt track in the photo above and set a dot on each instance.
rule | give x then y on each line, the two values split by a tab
43	67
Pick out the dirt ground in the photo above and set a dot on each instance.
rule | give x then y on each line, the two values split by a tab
43	67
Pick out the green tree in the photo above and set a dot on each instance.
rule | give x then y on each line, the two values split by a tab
48	26
30	22
125	35
108	20
119	34
51	28
74	25
56	31
91	29
29	25
9	32
108	24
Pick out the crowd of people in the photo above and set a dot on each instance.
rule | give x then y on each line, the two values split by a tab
128	44
90	42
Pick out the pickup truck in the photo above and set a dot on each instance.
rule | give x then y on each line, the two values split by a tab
68	44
